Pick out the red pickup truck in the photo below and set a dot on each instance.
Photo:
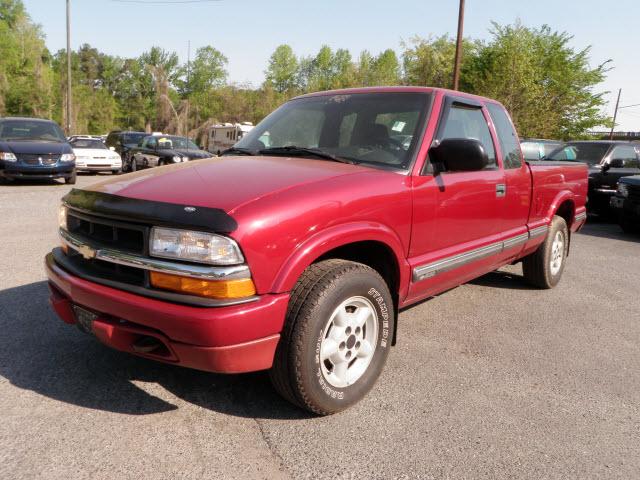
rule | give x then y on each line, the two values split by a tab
295	250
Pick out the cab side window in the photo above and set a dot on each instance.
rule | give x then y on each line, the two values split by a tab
627	154
469	122
509	143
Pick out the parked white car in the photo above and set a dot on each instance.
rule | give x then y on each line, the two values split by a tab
94	156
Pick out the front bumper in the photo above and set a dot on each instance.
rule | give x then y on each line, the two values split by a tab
36	172
232	339
88	167
625	206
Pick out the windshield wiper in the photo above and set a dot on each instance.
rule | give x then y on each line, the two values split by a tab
238	150
293	151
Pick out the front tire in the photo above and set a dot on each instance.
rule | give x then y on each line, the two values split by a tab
71	180
544	267
336	337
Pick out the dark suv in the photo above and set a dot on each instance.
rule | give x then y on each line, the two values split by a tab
35	149
626	204
122	142
608	162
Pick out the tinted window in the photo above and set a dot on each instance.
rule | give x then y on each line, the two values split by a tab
468	122
591	153
132	138
509	142
627	154
149	142
373	128
549	147
85	143
29	130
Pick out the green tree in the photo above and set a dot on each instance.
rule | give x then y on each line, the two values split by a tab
165	71
429	61
282	72
546	85
386	69
25	74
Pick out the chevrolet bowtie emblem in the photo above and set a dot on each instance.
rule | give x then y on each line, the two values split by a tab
87	252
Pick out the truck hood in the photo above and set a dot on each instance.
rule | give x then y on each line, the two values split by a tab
36	148
226	182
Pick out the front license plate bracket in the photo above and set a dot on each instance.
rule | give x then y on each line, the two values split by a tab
84	319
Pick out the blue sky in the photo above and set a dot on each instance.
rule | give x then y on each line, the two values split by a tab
247	32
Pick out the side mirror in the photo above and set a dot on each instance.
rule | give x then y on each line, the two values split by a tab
113	149
460	155
616	163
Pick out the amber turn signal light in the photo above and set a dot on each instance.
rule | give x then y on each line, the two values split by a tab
219	289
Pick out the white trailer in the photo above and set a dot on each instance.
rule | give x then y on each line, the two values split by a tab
226	135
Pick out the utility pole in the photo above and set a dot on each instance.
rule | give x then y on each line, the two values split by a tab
69	123
615	114
188	89
458	59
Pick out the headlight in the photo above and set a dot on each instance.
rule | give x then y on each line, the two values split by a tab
623	190
62	217
191	246
67	157
8	157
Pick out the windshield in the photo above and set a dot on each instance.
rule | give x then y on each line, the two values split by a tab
375	128
86	143
176	142
591	153
30	130
132	138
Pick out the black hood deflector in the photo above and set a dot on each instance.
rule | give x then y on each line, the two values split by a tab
151	212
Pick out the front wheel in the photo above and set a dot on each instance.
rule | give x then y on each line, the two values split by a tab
71	179
544	267
336	337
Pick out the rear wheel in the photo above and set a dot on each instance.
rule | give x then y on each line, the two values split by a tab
336	337
544	267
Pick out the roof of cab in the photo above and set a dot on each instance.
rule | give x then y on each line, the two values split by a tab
30	119
398	89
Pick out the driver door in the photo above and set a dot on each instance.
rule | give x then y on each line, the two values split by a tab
457	215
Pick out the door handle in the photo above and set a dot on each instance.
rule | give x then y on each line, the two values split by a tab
501	190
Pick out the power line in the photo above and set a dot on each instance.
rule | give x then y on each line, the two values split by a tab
164	2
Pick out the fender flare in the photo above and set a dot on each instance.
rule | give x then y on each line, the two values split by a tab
559	199
337	236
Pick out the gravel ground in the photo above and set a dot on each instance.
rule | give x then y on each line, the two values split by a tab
489	380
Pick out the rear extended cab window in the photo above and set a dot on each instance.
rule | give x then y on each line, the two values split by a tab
507	137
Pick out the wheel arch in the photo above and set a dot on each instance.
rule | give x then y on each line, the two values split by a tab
565	207
374	245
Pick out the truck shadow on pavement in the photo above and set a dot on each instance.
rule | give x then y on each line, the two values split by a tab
604	227
41	354
502	279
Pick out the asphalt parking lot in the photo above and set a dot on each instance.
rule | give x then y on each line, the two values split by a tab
489	380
